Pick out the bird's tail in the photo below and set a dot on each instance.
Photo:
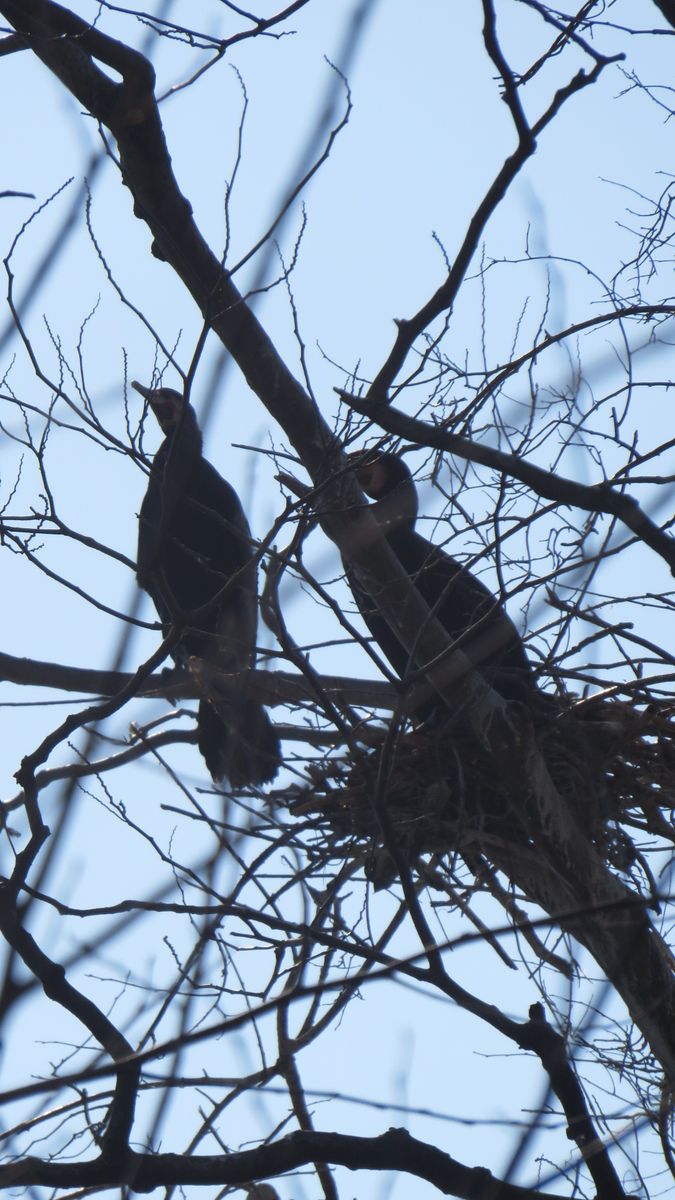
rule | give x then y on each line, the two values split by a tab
238	742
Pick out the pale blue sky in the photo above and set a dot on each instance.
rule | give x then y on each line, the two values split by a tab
426	135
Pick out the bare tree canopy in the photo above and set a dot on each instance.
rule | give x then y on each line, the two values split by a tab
354	853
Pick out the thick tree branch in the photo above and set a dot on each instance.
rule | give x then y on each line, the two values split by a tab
394	1150
551	1049
595	498
272	687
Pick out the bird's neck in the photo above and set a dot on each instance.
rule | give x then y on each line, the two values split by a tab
183	442
397	509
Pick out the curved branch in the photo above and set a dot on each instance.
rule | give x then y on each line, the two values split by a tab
394	1150
52	976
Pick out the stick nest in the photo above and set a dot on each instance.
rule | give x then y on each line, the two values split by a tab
441	793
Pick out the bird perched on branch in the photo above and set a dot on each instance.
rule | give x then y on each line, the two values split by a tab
462	604
195	561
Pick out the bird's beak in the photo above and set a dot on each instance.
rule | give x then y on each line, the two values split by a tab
166	404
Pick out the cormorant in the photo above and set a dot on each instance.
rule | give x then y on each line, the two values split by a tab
195	561
462	604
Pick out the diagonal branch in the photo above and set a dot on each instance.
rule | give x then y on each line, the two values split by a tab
594	498
409	330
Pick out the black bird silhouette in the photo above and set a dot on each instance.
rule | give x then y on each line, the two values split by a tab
462	604
195	561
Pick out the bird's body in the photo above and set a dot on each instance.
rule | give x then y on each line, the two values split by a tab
462	603
195	561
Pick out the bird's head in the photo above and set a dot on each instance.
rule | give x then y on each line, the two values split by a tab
378	473
167	404
387	480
